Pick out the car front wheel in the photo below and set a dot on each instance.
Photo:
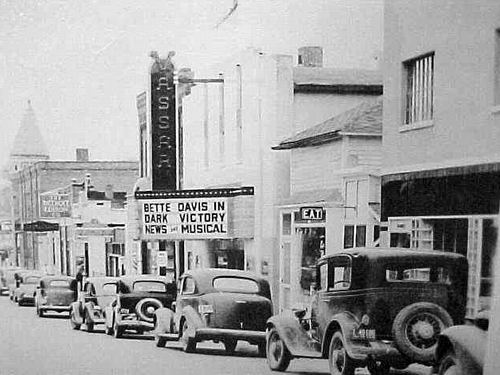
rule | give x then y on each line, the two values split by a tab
449	365
338	358
88	322
278	356
117	330
230	345
72	321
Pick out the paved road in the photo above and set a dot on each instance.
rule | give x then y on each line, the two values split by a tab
43	346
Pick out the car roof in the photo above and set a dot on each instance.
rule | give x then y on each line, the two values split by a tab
201	273
101	279
394	253
59	277
133	279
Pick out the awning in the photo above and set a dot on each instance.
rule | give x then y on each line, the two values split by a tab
442	172
331	196
40	226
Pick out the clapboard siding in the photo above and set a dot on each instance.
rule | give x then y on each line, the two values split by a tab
312	167
368	151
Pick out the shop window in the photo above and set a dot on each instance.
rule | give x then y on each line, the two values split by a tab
360	235
286	224
286	262
348	236
400	240
312	249
489	240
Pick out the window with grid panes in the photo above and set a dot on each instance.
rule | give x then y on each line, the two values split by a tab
419	98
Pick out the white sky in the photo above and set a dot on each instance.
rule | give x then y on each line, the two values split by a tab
82	63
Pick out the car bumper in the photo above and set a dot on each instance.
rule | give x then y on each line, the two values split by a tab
135	324
54	308
24	300
254	337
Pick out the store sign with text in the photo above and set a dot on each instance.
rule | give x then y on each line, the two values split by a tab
189	218
55	205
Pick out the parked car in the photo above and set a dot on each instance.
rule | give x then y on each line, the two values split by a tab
97	293
6	278
137	299
55	293
24	294
217	304
378	308
461	349
14	278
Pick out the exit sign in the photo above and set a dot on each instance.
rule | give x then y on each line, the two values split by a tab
312	214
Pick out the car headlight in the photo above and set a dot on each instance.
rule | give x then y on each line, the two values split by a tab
123	311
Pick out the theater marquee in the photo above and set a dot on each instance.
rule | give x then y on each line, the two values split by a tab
197	214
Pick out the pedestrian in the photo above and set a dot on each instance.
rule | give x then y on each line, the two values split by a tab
79	277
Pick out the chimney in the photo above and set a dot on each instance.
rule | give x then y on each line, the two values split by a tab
108	193
311	56
82	154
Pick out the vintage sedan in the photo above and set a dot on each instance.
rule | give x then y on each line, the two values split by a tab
219	305
97	293
24	294
55	293
137	299
7	278
461	349
378	308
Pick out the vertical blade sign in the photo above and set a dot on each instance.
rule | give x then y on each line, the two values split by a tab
163	126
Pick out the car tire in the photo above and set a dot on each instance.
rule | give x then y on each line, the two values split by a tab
108	330
88	323
39	311
117	330
188	343
277	354
338	359
230	345
262	349
161	342
381	368
416	329
72	321
449	365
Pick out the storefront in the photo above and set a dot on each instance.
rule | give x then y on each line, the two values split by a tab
452	209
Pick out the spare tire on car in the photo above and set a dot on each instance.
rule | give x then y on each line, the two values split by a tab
146	308
416	329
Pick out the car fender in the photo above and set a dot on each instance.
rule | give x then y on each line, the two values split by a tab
193	318
295	337
89	306
466	341
75	308
164	321
345	323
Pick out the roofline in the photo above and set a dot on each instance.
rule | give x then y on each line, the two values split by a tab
375	89
320	139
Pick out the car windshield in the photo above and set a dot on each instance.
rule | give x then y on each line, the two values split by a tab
403	273
109	289
149	286
31	280
59	284
236	285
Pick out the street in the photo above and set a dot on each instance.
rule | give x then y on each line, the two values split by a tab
39	346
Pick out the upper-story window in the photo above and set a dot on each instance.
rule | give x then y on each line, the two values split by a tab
419	90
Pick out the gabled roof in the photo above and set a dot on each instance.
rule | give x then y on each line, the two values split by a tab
363	120
337	80
29	141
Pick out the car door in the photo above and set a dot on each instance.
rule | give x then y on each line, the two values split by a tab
187	295
336	296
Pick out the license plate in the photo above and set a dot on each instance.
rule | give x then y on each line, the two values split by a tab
364	334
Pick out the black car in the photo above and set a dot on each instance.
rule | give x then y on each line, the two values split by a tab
378	308
461	349
134	305
96	294
55	293
219	305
